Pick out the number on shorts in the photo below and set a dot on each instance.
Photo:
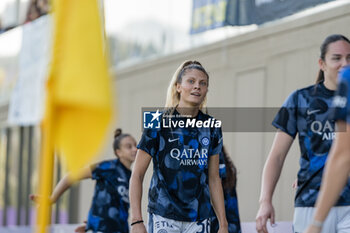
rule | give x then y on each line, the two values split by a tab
205	226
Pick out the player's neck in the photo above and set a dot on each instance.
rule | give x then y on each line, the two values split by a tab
126	163
330	85
187	111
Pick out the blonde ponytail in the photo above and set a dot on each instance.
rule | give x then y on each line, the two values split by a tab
172	96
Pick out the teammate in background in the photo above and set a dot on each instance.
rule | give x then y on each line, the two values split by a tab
338	165
110	204
228	174
185	162
306	113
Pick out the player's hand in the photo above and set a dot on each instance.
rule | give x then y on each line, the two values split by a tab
223	230
81	228
37	198
34	197
138	228
265	212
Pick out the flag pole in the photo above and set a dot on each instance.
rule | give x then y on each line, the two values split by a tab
46	169
78	85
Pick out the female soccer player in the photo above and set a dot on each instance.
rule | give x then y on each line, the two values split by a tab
306	113
338	165
185	154
110	204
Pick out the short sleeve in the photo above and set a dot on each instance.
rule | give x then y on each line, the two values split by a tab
341	101
216	141
286	118
98	169
149	141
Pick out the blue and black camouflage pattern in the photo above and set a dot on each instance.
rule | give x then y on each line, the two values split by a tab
306	112
341	100
231	205
110	204
179	185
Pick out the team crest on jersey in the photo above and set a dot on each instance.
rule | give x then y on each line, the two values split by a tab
205	141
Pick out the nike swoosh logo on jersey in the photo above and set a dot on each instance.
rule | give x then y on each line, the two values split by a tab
308	112
121	180
173	140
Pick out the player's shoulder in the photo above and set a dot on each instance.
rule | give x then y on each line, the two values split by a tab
108	163
307	90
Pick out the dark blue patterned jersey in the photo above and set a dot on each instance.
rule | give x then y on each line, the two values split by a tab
110	204
306	112
341	102
231	205
179	185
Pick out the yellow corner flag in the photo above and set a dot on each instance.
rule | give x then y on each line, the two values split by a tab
79	102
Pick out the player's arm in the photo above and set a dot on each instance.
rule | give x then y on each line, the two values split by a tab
270	176
216	192
64	184
334	179
135	192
